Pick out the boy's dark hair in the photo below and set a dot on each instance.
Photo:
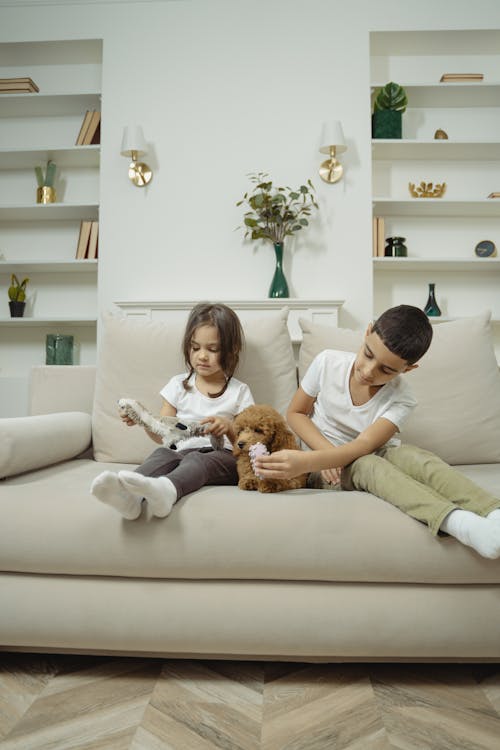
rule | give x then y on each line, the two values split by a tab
406	332
230	336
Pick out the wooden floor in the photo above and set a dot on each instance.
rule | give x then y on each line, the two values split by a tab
74	702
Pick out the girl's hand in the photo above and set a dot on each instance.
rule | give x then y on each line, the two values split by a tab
332	476
126	420
284	464
216	426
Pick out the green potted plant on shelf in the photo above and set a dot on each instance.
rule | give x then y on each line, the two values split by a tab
46	192
388	106
17	296
273	214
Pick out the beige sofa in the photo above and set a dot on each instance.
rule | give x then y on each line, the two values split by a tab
304	575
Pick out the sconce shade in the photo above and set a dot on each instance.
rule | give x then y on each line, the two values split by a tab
133	141
332	135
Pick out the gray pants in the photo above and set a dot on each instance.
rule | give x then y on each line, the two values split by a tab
418	483
190	469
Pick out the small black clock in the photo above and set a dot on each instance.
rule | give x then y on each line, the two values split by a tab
485	249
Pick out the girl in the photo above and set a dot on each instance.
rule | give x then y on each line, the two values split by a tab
208	393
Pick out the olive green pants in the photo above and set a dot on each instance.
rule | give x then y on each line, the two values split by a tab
418	483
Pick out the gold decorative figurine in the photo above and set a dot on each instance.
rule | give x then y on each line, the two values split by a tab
427	190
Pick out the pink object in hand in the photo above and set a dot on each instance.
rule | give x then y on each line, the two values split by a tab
259	449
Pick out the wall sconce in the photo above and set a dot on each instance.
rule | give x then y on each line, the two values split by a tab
133	146
332	143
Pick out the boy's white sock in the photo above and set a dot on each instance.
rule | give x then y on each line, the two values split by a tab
107	488
494	515
477	532
160	492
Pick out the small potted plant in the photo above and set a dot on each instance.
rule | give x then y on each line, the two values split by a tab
275	213
17	296
389	104
46	192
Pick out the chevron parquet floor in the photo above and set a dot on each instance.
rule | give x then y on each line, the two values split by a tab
102	703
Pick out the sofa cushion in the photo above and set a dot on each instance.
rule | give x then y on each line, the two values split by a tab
137	358
225	533
457	385
28	443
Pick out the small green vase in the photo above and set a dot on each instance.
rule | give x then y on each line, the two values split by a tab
279	287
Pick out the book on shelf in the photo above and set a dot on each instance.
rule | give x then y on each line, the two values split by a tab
83	239
84	128
90	131
494	195
93	241
450	77
374	236
23	84
378	237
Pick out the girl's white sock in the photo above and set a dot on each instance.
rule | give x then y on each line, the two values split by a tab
160	492
107	488
494	515
477	532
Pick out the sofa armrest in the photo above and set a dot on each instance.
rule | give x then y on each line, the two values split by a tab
28	443
57	388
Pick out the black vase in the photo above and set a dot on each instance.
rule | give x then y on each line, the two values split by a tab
432	308
16	308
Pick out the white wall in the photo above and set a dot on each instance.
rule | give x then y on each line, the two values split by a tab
223	88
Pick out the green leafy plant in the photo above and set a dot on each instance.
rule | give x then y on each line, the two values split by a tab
391	96
17	289
276	212
47	179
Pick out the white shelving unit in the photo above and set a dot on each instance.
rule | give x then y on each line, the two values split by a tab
441	233
37	240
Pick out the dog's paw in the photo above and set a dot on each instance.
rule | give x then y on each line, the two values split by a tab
259	449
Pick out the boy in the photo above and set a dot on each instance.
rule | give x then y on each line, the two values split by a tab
348	410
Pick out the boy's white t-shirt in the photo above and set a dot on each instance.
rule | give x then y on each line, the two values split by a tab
335	415
191	405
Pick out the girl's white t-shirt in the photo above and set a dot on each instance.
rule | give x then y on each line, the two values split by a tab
335	415
191	405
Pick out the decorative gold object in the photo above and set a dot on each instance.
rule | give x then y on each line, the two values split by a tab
138	172
45	194
427	190
440	135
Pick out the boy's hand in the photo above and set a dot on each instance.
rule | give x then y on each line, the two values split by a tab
216	426
284	464
332	476
126	420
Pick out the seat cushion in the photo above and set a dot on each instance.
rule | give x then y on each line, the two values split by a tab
227	533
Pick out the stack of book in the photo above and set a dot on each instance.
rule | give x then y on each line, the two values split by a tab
18	86
90	132
88	240
378	237
460	77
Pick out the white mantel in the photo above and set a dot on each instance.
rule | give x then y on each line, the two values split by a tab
318	311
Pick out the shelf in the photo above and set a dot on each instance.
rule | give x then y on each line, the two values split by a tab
49	266
43	322
54	104
436	207
49	211
73	156
473	265
445	95
437	150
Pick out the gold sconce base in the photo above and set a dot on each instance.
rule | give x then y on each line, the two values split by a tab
331	171
139	173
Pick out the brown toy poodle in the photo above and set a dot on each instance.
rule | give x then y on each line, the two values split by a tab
261	425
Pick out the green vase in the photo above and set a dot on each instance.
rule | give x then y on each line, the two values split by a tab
387	123
279	287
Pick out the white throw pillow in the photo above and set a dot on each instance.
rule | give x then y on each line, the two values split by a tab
457	385
137	358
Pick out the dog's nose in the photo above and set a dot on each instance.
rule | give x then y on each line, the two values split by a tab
241	444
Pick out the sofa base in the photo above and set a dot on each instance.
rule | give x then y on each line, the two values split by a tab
265	620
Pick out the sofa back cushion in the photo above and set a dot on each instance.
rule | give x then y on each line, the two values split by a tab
137	358
457	385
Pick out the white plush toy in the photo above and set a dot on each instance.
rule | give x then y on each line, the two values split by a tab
170	429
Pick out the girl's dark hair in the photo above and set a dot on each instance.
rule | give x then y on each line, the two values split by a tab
406	332
230	336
